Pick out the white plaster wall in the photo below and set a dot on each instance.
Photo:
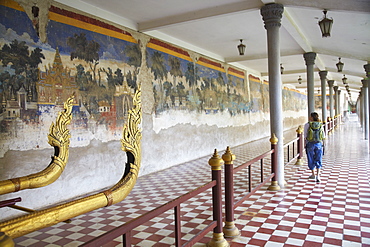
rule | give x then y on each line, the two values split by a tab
89	169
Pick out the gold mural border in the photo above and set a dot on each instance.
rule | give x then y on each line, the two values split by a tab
75	22
168	51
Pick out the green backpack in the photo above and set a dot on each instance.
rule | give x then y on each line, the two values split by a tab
315	132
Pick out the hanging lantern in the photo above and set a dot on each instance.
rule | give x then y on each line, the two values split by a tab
299	80
340	66
344	79
241	48
325	25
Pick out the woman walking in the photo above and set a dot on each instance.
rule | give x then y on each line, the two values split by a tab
314	137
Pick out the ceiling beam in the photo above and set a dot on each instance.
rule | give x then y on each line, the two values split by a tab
199	14
299	36
347	72
338	5
363	57
257	57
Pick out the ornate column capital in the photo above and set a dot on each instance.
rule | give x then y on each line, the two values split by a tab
365	83
309	58
367	69
331	83
335	89
323	74
338	92
272	14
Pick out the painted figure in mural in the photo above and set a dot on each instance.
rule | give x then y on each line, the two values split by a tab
314	137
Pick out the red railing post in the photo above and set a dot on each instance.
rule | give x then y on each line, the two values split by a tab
274	184
300	143
218	237
230	230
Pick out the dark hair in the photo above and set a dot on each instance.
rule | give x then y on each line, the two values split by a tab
315	116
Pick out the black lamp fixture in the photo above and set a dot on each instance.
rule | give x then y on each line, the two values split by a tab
241	48
340	66
347	88
344	79
325	25
299	80
281	69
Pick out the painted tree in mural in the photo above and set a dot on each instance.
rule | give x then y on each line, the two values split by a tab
192	78
131	80
113	78
175	71
159	71
134	59
134	55
85	50
24	69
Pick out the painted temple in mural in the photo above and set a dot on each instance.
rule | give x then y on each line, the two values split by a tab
54	86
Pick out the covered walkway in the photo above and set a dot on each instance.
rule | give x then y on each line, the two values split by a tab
334	212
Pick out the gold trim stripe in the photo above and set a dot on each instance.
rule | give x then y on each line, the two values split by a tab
236	74
74	22
168	51
11	4
91	27
211	66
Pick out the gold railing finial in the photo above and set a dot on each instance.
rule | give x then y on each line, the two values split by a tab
274	139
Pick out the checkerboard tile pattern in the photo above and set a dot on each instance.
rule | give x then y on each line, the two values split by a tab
334	212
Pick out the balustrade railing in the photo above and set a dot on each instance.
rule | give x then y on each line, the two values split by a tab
332	123
294	148
230	230
124	230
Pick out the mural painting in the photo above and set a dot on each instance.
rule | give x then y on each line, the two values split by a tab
96	62
256	93
318	101
202	87
294	100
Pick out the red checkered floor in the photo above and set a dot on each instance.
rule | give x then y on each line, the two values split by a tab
334	212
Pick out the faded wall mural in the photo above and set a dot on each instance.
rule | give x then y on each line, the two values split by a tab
318	101
294	100
202	86
96	62
99	64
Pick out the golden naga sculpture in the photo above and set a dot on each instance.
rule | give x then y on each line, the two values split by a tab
59	138
131	141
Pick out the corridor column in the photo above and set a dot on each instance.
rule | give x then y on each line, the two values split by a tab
323	75
331	104
365	99
339	103
360	108
367	70
271	15
336	99
310	57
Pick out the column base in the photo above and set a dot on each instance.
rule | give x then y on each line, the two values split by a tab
299	162
274	186
230	230
218	240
